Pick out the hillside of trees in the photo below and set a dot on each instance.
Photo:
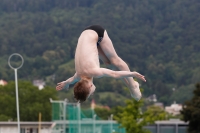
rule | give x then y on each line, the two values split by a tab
32	101
159	39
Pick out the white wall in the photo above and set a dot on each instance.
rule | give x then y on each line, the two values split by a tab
8	130
45	130
15	130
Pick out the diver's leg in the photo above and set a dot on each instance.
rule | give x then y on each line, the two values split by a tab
109	51
107	62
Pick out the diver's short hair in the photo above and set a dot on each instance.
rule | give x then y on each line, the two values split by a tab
81	90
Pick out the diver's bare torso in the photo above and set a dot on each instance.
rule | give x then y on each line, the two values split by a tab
86	56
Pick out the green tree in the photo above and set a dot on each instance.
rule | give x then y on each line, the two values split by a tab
103	113
32	101
154	113
191	111
133	119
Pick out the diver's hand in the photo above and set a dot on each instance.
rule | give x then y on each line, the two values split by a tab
62	85
139	76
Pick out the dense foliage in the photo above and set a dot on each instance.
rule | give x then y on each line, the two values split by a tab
32	101
159	39
191	111
134	119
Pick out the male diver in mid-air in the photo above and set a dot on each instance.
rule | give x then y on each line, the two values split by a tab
94	43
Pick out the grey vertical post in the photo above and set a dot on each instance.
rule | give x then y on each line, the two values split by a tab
64	115
79	118
158	128
16	86
17	101
111	124
94	126
176	128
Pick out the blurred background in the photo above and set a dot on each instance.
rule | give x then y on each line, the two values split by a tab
159	39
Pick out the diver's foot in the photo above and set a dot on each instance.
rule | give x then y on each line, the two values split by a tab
135	91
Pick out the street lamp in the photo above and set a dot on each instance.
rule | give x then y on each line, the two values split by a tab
16	85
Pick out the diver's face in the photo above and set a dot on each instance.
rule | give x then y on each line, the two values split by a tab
92	89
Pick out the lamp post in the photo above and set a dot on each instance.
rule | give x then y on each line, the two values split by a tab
16	85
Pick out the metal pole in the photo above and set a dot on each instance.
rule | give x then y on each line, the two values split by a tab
79	118
17	100
64	115
39	122
111	126
176	127
158	128
94	126
16	87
